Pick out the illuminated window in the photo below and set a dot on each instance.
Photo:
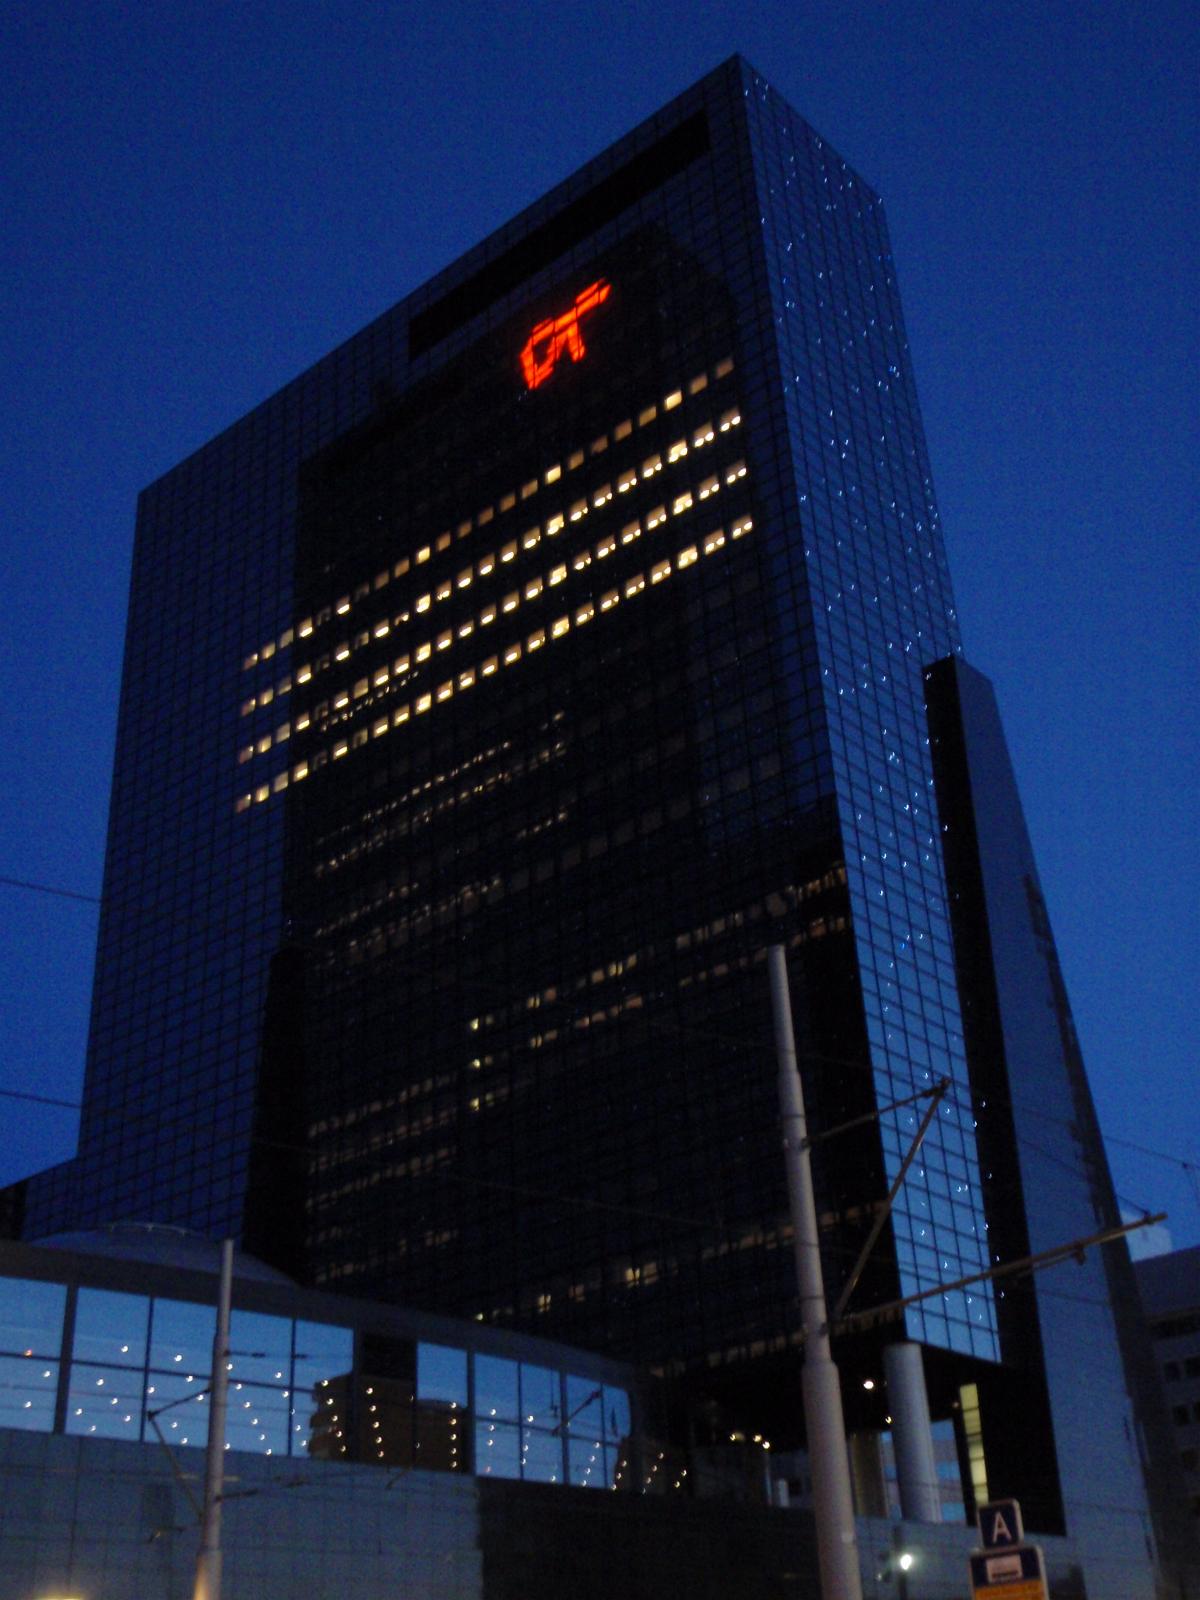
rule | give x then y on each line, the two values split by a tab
577	510
489	666
531	538
445	690
551	475
444	640
681	503
533	588
736	471
659	571
510	602
626	481
677	450
536	640
700	381
653	518
648	415
486	565
634	585
606	546
423	704
651	465
559	627
685	558
513	653
609	600
343	606
557	574
554	525
423	554
723	368
584	614
509	552
709	486
423	651
444	590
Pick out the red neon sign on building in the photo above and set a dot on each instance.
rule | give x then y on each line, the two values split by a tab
559	336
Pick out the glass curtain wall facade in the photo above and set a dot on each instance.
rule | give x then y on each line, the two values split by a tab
85	1359
493	696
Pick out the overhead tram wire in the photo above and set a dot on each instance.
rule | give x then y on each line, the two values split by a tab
48	888
743	1043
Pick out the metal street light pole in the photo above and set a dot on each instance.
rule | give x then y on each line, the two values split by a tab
833	1504
208	1562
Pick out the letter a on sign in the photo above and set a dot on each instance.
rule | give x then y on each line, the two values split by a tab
1000	1524
560	336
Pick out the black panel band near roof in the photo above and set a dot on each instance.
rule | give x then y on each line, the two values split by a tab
606	200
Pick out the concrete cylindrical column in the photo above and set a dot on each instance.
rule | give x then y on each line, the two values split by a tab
912	1433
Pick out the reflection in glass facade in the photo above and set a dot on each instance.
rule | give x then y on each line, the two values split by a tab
299	1388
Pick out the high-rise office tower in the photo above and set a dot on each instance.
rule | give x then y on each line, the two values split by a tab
494	695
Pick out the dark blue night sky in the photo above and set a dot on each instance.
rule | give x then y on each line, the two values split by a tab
201	199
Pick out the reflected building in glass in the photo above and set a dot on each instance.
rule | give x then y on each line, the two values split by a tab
494	695
311	1376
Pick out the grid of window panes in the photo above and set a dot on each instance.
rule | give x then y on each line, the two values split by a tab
882	609
543	766
581	799
139	1367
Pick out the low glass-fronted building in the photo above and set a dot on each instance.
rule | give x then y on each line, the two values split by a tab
111	1336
